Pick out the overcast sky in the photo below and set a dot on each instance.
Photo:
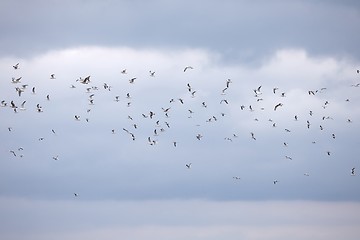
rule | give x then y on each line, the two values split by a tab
197	119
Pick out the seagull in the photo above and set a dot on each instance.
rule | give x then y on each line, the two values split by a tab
76	195
23	106
152	74
310	92
188	165
132	80
277	105
16	66
188	67
228	83
123	71
236	178
16	80
287	157
253	135
353	171
151	114
199	136
275	181
85	80
306	174
151	142
52	76
56	158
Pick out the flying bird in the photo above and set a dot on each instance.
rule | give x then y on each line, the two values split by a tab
188	67
277	105
16	66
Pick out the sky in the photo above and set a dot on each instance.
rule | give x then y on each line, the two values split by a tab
179	119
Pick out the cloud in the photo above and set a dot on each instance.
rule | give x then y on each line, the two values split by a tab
239	30
91	156
75	218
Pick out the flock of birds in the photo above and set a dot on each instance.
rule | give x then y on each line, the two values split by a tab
162	121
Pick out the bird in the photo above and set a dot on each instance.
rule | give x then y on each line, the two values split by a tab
253	135
132	80
76	195
277	105
188	67
275	181
52	76
152	73
188	165
236	178
228	81
199	136
16	80
353	171
23	105
56	158
16	66
85	80
13	152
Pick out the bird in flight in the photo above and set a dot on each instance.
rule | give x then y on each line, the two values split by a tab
277	105
188	165
188	67
16	66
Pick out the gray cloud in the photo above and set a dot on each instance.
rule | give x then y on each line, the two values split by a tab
235	29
